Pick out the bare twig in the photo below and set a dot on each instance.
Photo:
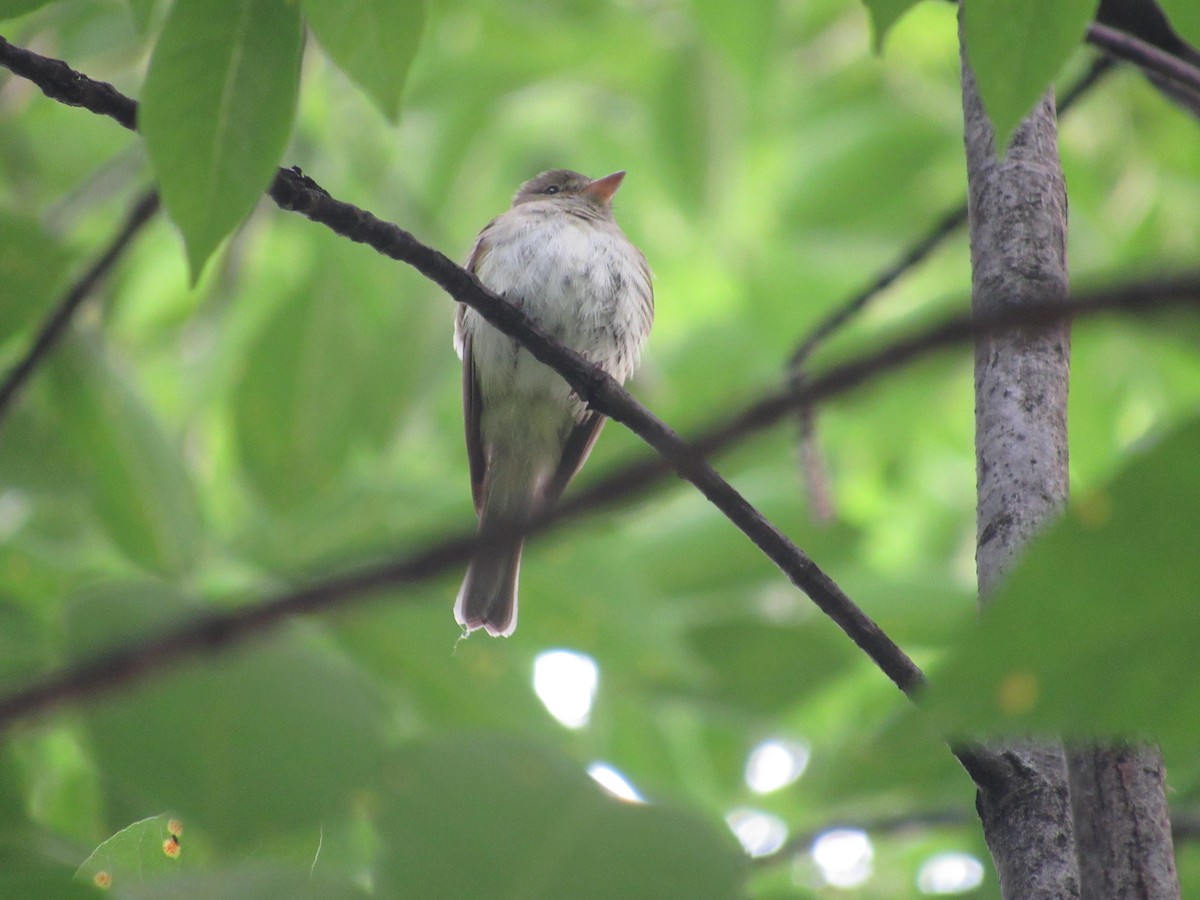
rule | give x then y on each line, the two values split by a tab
604	394
945	226
60	82
812	460
948	223
58	320
1133	49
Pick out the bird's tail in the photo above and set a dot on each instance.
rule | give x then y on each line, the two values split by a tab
488	596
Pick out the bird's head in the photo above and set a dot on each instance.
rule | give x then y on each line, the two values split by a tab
567	186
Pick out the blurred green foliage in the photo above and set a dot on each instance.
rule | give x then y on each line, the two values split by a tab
296	411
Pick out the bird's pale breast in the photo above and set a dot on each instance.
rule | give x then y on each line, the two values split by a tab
581	280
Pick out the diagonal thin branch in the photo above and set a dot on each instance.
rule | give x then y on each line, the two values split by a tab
56	323
604	394
60	82
948	223
216	631
1131	48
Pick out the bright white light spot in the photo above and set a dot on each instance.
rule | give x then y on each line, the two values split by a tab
14	512
950	873
775	764
779	604
761	833
844	857
565	681
614	782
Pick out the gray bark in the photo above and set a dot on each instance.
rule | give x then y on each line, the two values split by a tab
1122	828
1025	809
1094	824
1018	222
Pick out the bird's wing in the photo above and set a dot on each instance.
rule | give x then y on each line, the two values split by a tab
575	453
472	399
472	409
481	247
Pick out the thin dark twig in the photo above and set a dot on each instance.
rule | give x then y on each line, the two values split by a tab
217	631
607	396
948	223
1126	46
60	82
812	460
56	323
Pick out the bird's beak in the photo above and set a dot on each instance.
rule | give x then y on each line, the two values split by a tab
602	189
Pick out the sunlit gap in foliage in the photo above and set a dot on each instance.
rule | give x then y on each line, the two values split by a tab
15	510
614	782
760	833
775	764
844	857
565	681
950	873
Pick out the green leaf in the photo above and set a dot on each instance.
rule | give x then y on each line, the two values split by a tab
25	872
32	263
272	738
296	408
490	816
1185	18
216	111
803	660
1016	48
136	477
143	14
372	41
250	881
884	14
133	853
1095	633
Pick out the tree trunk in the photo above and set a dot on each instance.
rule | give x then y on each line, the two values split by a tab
1094	823
1122	829
1018	224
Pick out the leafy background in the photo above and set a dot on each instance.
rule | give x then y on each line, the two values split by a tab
213	434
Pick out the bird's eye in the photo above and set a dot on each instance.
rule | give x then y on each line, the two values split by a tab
552	189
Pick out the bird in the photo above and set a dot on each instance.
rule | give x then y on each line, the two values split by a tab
559	255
